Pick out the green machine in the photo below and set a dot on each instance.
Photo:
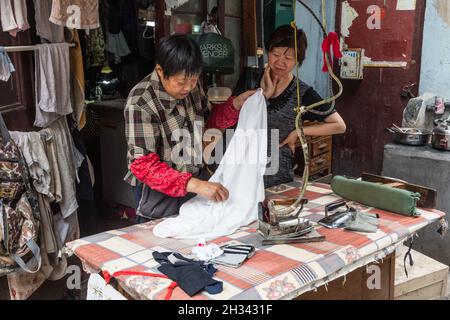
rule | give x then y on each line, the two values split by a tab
276	13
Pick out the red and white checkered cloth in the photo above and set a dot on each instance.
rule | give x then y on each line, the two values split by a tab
274	272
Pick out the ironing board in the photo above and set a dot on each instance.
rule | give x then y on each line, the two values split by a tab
275	272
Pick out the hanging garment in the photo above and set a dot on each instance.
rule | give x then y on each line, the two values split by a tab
240	171
55	181
77	80
6	66
14	21
33	147
45	29
52	83
65	161
75	14
117	45
35	157
68	161
33	150
95	48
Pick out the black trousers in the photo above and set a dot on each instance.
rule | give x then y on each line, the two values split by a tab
154	205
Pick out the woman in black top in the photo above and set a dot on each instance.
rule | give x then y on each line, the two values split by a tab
280	88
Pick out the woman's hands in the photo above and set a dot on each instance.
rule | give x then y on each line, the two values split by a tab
269	83
213	191
290	141
239	101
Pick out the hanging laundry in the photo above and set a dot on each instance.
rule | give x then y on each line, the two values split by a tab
95	48
75	14
52	83
6	66
34	147
63	155
77	80
14	21
55	193
240	171
36	160
68	161
117	45
48	31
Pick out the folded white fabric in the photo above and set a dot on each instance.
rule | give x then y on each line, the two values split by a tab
241	171
206	252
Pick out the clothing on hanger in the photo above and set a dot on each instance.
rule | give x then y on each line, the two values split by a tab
52	83
117	45
95	48
33	152
77	80
68	160
6	66
48	31
14	19
35	147
75	14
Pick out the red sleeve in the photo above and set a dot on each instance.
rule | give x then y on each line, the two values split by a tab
159	176
223	115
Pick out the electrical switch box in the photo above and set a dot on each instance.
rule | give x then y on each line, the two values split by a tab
352	64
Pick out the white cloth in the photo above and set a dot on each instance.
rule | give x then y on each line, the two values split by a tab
52	83
14	21
205	252
241	171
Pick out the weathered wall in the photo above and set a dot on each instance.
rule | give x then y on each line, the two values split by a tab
374	103
408	163
311	71
435	72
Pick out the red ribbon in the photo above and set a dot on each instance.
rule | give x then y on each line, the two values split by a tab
170	289
331	41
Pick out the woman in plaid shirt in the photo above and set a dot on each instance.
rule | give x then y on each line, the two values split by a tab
168	102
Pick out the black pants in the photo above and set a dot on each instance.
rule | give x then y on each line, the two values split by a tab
153	205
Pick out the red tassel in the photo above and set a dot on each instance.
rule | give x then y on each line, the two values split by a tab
331	42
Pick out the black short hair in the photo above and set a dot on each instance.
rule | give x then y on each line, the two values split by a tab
179	53
284	36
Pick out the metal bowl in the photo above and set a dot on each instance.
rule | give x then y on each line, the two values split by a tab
411	136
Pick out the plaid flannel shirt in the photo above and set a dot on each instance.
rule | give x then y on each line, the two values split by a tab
150	124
